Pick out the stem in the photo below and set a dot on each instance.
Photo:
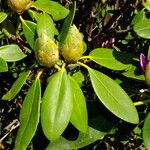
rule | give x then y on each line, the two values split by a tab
6	33
141	102
21	18
57	67
60	69
63	67
85	57
39	74
85	66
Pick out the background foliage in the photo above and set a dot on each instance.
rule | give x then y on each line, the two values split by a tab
99	102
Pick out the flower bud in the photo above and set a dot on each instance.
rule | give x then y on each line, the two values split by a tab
73	46
147	69
147	74
145	66
143	62
46	51
19	6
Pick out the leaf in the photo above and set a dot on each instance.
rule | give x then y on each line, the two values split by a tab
111	59
56	105
134	73
147	6
16	87
3	65
67	24
3	16
11	53
29	116
118	102
29	30
53	8
34	15
138	17
83	140
142	28
48	27
146	132
79	77
79	117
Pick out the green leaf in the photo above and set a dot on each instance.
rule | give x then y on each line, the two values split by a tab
11	53
29	116
134	73
3	65
34	14
53	8
146	132
142	28
83	140
56	105
16	87
118	102
67	24
29	30
79	77
138	17
147	6
48	27
111	59
79	117
3	16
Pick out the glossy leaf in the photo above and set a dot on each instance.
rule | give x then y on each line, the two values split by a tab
118	102
56	105
53	8
29	116
79	116
48	28
146	132
111	59
3	65
84	139
29	30
3	16
142	28
11	53
16	87
67	24
138	17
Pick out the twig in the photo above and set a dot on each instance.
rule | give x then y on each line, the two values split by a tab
15	124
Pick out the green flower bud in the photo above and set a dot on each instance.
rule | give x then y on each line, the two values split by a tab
147	68
19	6
73	46
147	74
46	51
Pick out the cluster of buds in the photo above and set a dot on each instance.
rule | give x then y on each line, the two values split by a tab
46	51
73	46
145	66
19	6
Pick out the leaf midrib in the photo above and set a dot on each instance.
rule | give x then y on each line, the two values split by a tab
108	91
35	88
